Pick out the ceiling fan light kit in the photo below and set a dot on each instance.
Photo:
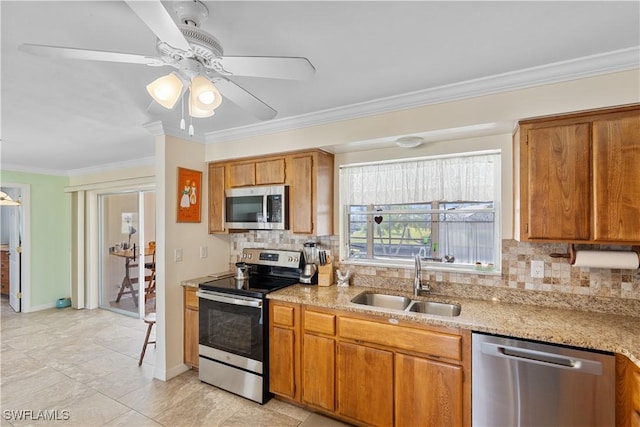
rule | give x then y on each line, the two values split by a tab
198	59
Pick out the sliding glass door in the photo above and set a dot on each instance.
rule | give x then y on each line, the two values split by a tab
127	245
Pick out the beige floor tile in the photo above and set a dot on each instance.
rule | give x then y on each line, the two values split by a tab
157	396
132	419
317	420
208	406
258	416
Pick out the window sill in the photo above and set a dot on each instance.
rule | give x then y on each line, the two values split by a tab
426	266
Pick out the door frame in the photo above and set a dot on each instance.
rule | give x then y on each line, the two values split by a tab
25	258
94	239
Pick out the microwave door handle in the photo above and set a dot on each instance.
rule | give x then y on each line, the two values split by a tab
265	208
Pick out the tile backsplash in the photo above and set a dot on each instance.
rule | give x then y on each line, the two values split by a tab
559	276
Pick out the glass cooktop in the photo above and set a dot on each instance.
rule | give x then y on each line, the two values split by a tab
256	286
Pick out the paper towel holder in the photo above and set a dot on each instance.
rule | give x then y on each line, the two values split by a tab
571	254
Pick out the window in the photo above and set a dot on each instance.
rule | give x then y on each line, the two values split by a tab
444	209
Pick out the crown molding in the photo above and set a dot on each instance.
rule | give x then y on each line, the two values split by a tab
145	161
588	66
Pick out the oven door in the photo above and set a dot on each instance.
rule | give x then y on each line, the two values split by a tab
231	329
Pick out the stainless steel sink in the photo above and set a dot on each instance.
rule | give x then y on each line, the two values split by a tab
382	300
437	308
395	302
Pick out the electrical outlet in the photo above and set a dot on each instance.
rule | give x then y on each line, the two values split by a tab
204	252
177	255
537	269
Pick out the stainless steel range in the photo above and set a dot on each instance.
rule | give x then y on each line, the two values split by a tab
234	336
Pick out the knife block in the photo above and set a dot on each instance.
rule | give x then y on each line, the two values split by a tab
325	273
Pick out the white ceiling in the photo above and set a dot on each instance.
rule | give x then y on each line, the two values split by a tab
65	116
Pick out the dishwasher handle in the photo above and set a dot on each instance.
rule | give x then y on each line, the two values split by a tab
551	360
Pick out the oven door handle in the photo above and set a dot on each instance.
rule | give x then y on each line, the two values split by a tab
235	300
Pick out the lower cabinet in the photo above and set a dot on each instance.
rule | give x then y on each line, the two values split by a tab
191	329
365	384
284	362
427	392
627	392
318	359
369	370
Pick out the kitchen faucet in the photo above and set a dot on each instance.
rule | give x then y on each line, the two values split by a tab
418	288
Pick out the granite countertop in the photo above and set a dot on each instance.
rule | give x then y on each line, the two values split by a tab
599	331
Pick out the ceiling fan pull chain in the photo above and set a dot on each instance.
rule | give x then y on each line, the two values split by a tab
190	126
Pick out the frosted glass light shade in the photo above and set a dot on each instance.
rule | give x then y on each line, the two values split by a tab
199	113
204	94
166	90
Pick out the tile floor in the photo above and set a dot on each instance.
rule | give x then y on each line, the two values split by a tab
80	367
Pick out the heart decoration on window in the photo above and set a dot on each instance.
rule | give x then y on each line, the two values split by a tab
378	218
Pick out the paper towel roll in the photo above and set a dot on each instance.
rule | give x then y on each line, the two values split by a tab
607	259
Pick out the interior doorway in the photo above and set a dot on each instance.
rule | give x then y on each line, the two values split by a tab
127	252
15	248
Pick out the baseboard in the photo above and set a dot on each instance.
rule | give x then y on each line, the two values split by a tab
38	307
171	373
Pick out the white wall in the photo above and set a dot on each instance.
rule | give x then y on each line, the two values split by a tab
172	153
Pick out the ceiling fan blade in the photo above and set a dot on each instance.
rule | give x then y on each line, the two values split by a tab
244	99
91	55
274	67
156	17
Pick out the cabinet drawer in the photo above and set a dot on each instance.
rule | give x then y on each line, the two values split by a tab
283	315
323	323
431	343
191	299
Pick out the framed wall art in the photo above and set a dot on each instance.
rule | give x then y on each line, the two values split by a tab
189	195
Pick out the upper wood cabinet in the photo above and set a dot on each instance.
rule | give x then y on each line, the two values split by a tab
311	193
309	175
577	177
257	172
216	198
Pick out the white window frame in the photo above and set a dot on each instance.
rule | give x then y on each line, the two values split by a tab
436	266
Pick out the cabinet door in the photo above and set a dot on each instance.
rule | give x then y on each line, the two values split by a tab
301	203
318	371
365	384
282	362
270	172
559	183
616	173
627	393
191	352
427	392
216	199
242	174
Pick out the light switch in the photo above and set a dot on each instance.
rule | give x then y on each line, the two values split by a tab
177	255
537	269
204	252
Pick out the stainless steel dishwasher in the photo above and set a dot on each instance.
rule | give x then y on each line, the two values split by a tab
526	383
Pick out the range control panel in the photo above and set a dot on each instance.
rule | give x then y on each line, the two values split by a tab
272	257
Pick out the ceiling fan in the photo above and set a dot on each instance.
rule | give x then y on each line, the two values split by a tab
198	59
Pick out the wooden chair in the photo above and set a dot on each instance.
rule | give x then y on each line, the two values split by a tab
149	319
150	279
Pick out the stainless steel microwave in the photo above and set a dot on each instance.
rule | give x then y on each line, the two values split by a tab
257	208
